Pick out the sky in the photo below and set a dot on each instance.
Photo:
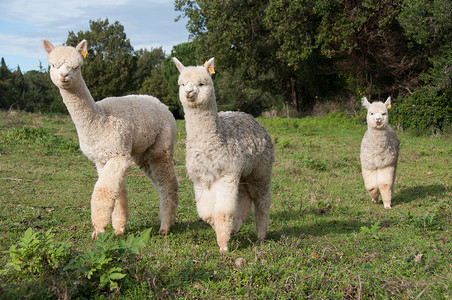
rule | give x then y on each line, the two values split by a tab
23	23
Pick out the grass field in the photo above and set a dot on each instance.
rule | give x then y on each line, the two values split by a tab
326	240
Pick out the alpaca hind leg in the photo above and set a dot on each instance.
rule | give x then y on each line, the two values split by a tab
108	189
161	172
243	208
261	194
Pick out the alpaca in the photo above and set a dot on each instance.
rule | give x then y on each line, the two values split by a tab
379	152
114	133
229	158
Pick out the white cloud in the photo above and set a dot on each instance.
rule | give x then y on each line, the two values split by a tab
148	24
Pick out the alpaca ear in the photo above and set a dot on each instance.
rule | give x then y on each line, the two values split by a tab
388	102
365	102
179	65
48	47
82	48
209	66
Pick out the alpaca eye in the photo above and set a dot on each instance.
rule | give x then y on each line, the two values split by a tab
201	84
384	114
371	114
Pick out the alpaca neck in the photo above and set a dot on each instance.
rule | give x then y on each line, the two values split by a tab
80	104
201	125
379	136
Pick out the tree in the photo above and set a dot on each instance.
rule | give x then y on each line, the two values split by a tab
244	43
110	65
147	62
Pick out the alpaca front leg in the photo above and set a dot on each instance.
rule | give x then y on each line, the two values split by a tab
371	183
386	184
226	194
223	228
109	194
386	195
120	213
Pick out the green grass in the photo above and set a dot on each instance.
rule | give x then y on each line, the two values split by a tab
326	238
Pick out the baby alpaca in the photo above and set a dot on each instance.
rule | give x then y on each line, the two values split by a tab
229	158
379	152
113	133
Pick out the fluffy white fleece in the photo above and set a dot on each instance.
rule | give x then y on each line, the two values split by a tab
379	152
229	158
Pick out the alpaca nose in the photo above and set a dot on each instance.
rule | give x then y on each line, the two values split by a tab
64	76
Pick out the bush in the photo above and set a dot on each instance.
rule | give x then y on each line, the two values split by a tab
426	110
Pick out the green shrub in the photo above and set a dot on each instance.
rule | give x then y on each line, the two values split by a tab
39	136
425	111
37	253
39	259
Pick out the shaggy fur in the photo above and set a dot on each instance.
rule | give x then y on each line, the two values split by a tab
379	153
229	158
113	133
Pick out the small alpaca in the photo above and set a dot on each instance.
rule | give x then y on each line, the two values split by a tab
113	133
379	152
229	158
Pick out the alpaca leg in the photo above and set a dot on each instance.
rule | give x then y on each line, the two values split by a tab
120	211
261	194
205	202
107	191
161	172
371	183
374	193
385	184
226	193
243	208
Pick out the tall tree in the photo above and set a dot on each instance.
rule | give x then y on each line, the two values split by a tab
110	65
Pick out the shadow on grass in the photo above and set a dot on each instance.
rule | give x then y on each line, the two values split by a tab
319	228
407	195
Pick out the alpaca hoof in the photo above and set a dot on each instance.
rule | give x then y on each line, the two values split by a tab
95	233
387	206
164	231
120	231
374	201
223	249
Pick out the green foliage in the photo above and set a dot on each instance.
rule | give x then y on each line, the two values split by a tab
430	221
309	162
103	264
37	253
38	136
371	231
41	255
425	111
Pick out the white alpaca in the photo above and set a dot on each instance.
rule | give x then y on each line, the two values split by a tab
379	152
113	133
229	158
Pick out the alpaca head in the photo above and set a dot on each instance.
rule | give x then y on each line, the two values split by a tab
377	113
65	63
195	85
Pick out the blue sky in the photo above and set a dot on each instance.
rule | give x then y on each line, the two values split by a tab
23	23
